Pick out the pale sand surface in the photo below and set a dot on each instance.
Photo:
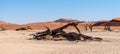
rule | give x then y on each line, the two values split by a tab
15	42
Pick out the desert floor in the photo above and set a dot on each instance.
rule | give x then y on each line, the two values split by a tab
16	42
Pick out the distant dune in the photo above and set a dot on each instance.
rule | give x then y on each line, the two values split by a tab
116	19
52	24
40	25
58	23
66	20
113	22
10	26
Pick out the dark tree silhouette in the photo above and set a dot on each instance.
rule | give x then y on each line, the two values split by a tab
107	27
90	25
56	33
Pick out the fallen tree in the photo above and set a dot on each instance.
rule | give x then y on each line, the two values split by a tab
57	33
24	28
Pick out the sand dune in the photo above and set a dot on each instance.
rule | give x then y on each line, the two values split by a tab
15	42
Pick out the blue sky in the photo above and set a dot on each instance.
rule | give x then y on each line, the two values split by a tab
25	11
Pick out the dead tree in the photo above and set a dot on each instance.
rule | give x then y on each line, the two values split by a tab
59	32
107	27
55	32
41	35
24	28
90	25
